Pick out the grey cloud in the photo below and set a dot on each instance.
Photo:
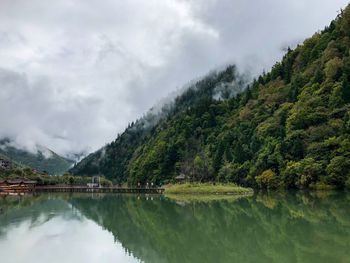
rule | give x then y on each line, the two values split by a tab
75	73
33	113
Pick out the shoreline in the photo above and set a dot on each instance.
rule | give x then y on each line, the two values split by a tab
207	189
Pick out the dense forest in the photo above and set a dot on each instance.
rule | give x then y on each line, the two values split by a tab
289	128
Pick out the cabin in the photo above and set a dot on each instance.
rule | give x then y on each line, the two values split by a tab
181	178
3	183
17	185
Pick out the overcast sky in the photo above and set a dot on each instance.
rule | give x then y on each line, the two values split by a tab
74	73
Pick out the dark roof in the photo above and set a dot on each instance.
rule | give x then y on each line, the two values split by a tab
180	177
15	181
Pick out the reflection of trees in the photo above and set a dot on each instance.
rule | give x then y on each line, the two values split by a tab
280	227
265	228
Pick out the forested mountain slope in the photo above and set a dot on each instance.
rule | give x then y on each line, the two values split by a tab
290	127
44	160
113	159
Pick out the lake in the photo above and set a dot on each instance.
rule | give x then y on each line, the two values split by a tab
281	227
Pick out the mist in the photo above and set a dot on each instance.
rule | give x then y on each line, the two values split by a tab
73	77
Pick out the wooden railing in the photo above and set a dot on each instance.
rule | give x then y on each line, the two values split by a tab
86	189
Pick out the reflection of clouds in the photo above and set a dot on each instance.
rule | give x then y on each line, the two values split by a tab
60	240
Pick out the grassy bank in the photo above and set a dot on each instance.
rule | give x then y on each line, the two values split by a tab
205	198
206	188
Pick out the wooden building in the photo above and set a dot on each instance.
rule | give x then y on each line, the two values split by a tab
17	185
181	178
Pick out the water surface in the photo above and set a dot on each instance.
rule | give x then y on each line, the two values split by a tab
290	227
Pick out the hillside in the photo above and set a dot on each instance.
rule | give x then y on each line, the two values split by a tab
113	159
45	160
288	128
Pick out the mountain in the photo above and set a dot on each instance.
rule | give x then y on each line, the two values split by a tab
288	128
44	160
113	159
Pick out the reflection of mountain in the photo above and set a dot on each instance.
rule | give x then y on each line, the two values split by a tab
36	209
300	228
263	228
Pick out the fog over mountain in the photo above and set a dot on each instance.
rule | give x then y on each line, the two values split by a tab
74	73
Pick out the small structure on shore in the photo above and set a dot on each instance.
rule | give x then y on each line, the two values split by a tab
17	185
181	178
94	184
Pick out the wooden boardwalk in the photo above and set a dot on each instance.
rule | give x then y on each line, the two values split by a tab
85	189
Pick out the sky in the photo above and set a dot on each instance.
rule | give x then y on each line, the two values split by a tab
74	73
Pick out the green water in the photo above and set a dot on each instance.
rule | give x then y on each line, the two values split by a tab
293	227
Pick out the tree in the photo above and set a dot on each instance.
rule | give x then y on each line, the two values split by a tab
292	174
333	68
336	98
267	180
338	171
218	157
202	168
302	174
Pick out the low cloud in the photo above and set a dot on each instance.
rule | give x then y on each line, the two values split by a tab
74	76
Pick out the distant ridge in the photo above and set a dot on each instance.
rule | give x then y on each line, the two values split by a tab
44	160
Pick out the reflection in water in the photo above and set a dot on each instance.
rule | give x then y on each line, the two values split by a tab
264	228
49	229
